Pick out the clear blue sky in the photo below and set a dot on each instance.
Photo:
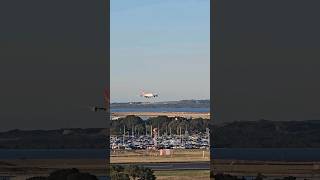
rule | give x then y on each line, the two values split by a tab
160	46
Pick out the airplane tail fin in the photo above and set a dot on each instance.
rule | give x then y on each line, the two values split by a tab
142	92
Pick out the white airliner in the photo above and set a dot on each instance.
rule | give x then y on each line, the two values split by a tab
148	94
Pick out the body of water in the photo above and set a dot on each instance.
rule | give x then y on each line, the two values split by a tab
160	109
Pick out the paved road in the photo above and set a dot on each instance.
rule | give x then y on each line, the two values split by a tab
175	166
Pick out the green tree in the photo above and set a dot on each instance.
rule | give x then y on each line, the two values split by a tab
146	174
117	168
119	176
133	171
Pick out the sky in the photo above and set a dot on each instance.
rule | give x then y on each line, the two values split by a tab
160	46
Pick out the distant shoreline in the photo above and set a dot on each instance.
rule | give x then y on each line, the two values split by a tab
164	102
204	115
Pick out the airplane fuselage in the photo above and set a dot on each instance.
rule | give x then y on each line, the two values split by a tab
149	95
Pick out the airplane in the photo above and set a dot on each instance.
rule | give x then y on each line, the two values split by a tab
148	94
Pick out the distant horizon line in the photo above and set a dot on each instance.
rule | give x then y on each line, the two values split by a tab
207	99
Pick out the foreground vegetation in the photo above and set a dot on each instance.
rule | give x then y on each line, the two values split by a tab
131	172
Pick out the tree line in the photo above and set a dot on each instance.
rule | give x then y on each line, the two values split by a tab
133	172
135	125
267	134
